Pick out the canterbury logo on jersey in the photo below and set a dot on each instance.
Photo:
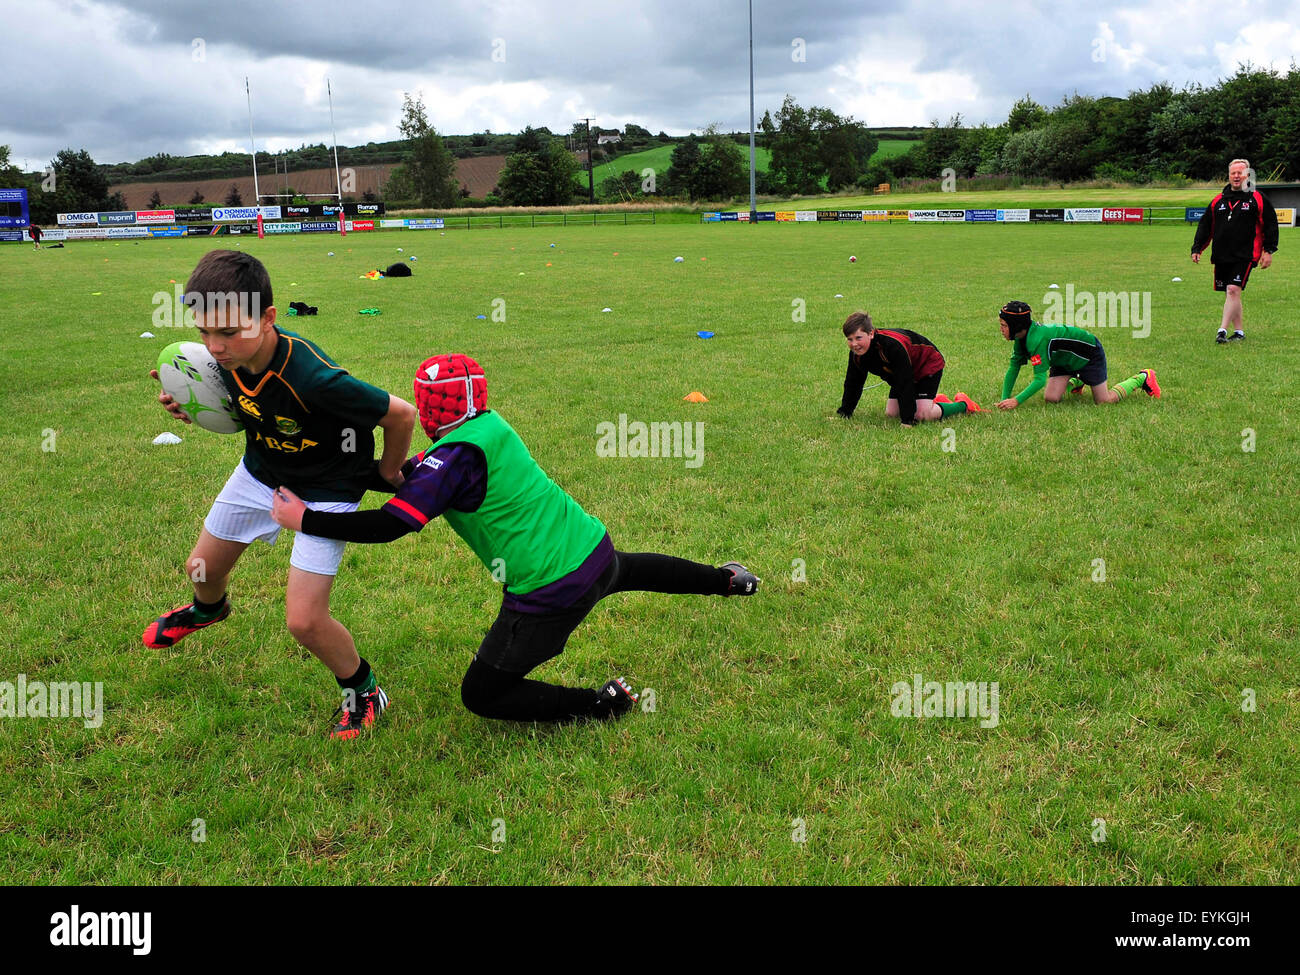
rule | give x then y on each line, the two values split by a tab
249	407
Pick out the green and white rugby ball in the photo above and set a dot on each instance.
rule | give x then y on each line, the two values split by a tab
193	378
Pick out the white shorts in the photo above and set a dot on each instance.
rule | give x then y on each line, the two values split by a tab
242	513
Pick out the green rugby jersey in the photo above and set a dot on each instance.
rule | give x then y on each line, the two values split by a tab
1046	346
527	526
308	422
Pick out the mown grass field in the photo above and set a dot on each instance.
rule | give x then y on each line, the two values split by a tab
883	555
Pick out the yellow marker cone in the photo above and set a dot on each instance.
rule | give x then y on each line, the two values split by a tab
695	396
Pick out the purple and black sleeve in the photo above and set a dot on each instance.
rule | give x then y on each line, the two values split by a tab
447	477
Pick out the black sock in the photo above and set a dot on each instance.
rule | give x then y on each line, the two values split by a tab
493	693
206	611
650	572
363	680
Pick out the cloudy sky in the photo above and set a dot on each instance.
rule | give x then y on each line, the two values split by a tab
129	78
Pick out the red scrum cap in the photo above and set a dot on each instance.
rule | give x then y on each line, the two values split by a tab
448	389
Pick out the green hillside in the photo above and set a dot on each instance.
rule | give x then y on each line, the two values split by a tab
660	158
891	148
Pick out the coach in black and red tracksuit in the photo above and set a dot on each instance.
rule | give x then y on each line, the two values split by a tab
907	361
1242	226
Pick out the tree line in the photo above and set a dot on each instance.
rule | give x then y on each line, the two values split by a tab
1155	134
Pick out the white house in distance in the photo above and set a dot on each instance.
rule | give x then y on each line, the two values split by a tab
602	140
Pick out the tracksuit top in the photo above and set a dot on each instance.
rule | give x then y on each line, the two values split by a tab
1240	225
899	356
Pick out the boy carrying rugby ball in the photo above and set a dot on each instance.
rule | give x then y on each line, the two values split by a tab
309	424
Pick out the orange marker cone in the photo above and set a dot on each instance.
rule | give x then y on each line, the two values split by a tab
695	396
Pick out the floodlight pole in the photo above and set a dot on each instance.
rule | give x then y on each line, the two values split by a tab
257	197
753	206
338	183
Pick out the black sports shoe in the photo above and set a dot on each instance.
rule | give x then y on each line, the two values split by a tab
615	699
743	582
1222	337
360	711
171	628
1237	337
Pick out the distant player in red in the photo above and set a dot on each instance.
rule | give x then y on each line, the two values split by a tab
1241	224
908	362
35	233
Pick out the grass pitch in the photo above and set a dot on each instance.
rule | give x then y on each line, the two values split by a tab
772	754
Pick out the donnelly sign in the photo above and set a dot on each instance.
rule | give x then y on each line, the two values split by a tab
242	214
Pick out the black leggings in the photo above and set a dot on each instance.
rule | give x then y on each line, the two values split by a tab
495	686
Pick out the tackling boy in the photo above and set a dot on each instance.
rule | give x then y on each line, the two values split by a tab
556	560
307	423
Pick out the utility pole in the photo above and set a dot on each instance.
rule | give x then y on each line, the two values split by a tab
338	182
591	181
753	206
252	148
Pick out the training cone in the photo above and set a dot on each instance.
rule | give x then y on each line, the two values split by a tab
695	396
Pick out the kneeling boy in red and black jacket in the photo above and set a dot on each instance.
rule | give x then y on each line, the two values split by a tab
908	362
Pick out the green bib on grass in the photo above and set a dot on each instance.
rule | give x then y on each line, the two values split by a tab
527	531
